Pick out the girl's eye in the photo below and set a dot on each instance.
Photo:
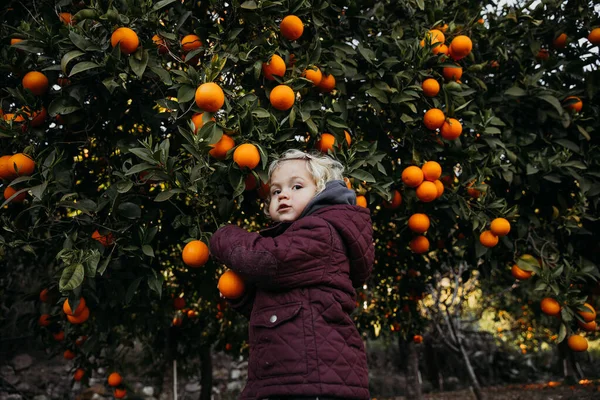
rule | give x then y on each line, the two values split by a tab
297	187
275	192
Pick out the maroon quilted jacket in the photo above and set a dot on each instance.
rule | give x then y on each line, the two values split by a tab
301	278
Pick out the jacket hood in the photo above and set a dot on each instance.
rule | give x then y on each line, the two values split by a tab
335	192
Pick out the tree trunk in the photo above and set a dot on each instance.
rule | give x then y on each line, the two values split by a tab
167	391
408	350
206	373
568	364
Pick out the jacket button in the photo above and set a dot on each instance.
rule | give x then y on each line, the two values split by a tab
273	318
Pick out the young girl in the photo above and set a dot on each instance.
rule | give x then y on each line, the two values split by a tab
300	277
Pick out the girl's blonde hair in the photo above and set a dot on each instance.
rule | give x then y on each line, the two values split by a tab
322	168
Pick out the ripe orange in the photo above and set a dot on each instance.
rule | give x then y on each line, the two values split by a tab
327	83
313	74
588	326
543	54
560	42
418	223
434	36
427	191
550	306
6	169
66	18
396	201
474	193
430	87
219	150
127	38
231	285
178	303
460	47
282	97
593	37
78	375
210	97
44	320
443	28
500	227
177	321
576	106
81	318
44	295
17	40
577	343
104	240
11	117
412	176
195	254
291	27
419	244
348	138
161	44
68	355
119	393
114	379
190	42
275	66
9	191
67	308
36	82
431	170
440	49
80	340
488	239
418	339
589	314
361	201
37	118
434	119
520	274
439	186
198	121
451	129
452	73
246	155
21	164
59	336
325	143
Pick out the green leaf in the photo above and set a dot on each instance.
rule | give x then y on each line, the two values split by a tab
104	265
138	66
186	93
130	210
515	91
133	286
249	5
584	132
91	264
164	196
553	101
147	250
378	94
574	164
155	282
71	277
63	105
68	57
261	113
38	191
124	186
161	4
163	74
83	66
362	175
562	332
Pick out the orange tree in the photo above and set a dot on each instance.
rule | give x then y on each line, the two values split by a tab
130	130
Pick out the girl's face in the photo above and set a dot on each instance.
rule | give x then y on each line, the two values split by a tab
292	188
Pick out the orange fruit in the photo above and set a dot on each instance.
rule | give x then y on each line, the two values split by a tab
452	73
17	40
434	118
325	143
127	38
589	314
488	239
178	303
81	318
313	74
114	379
6	169
434	36
451	129
68	355
198	121
37	118
577	343
327	83
439	186
460	47
431	170
282	97
67	308
231	285
395	202
59	336
576	106
361	201
291	27
80	340
190	42
119	393
9	191
588	326
66	18
480	21
210	97
11	117
21	164
219	150
593	37
160	43
419	245
430	87
500	227
195	254
560	42
543	54
474	193
246	155
427	191
348	138
550	306
44	320
418	339
36	82
440	49
520	274
275	66
104	240
44	295
442	28
177	321
78	375
418	223
412	176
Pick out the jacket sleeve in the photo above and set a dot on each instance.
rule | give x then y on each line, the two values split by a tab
244	304
295	258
